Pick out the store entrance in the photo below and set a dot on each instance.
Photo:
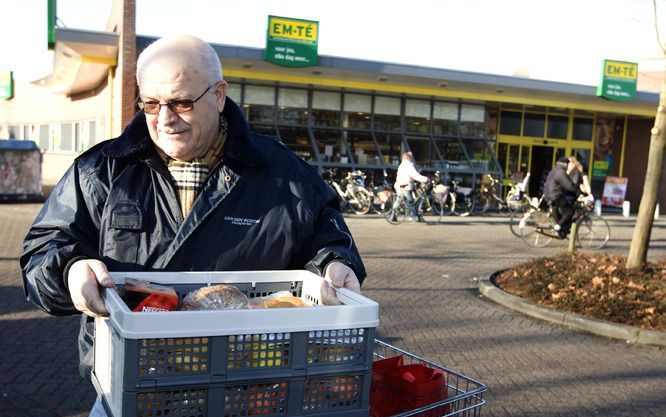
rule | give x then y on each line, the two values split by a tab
540	165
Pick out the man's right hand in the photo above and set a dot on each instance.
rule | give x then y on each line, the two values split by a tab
84	279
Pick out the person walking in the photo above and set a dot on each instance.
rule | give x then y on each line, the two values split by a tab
404	186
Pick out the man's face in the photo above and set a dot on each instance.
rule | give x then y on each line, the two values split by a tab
188	135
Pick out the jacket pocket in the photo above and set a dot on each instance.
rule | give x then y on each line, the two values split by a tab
124	231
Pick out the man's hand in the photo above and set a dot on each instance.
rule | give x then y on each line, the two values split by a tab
338	275
84	278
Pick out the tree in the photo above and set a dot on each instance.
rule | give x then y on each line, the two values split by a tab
641	236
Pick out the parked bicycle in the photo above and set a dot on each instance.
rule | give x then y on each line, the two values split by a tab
537	227
383	195
351	191
463	200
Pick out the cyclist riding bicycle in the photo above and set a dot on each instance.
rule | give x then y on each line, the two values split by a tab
404	186
561	192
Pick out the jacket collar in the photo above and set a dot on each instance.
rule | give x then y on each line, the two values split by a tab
240	145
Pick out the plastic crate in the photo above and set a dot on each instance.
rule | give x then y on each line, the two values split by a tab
283	362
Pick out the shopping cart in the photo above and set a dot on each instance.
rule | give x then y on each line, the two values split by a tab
465	395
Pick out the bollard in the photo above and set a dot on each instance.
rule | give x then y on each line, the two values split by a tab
656	212
626	208
597	207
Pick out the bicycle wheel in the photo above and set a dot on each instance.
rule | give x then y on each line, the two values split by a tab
463	206
530	231
481	203
362	200
396	215
593	231
514	220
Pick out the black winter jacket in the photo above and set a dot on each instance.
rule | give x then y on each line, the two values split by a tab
262	208
558	184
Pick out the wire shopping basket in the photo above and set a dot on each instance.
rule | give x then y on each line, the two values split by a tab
465	395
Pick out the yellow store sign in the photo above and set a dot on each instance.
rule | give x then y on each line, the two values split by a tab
294	29
622	70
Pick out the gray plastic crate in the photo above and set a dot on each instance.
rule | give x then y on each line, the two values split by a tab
196	353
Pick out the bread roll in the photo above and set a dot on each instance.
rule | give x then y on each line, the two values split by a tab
216	297
287	301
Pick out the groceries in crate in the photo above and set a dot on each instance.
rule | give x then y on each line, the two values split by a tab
144	296
216	297
279	299
149	297
397	388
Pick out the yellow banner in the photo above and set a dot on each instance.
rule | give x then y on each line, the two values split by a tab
624	70
300	30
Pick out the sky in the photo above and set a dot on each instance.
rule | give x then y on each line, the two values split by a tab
563	40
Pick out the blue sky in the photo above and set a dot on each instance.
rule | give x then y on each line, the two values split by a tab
564	40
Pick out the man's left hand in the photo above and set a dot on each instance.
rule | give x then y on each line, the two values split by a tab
338	275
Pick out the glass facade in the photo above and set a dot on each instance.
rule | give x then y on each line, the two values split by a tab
354	130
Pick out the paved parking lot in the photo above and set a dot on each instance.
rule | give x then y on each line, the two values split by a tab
423	276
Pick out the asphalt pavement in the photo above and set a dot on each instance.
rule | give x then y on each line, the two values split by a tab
425	277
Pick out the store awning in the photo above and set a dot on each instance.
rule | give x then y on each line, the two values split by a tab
81	61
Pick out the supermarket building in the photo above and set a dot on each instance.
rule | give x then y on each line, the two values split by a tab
347	113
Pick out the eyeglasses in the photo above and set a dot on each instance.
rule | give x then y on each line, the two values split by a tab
176	106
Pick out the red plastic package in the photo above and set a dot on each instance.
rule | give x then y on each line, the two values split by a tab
143	296
397	388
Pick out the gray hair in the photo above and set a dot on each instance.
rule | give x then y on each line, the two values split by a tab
201	53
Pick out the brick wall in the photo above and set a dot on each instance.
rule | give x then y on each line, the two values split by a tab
635	163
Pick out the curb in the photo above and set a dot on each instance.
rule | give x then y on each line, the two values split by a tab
572	320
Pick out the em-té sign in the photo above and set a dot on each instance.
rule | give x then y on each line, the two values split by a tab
291	42
6	85
618	81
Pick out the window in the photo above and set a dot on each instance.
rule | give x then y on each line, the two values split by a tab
582	128
364	149
417	116
263	130
234	93
387	114
424	152
43	137
292	106
452	153
479	154
445	119
85	136
67	137
391	147
13	132
502	149
259	104
298	140
535	125
325	108
358	109
557	126
330	145
510	122
472	121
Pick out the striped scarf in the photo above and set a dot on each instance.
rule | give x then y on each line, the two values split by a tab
190	177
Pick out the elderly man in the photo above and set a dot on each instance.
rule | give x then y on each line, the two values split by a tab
186	186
